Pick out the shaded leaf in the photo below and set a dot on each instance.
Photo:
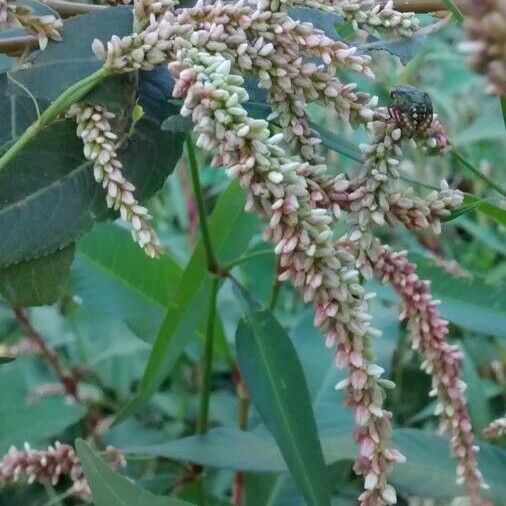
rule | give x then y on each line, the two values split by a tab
48	196
111	489
275	380
39	281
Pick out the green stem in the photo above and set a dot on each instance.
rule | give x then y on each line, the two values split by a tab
457	13
276	285
63	102
478	174
212	264
247	258
207	361
503	108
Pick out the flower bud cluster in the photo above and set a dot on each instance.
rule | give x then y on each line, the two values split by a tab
147	11
375	197
94	128
364	14
59	461
269	45
45	27
495	429
486	28
441	360
213	97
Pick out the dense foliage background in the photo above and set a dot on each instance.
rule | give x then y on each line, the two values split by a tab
99	303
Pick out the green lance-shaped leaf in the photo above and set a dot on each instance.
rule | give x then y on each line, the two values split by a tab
231	231
275	380
39	281
109	488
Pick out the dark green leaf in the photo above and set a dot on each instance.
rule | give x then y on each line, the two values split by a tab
39	281
231	230
275	380
111	489
48	196
6	360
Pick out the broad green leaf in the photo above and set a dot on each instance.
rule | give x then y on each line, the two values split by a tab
231	230
39	281
405	49
6	360
34	422
109	488
112	274
429	471
275	380
48	196
72	59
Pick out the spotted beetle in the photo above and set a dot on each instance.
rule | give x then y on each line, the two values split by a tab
411	108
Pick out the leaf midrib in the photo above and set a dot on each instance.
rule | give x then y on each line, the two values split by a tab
263	356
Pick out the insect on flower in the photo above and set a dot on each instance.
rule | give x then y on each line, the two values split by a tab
411	108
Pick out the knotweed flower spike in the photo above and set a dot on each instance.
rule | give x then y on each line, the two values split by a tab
495	429
441	360
45	27
486	27
58	462
94	128
208	48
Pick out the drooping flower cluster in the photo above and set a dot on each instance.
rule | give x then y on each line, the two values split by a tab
303	239
497	428
94	128
58	462
363	14
45	27
442	361
210	46
375	196
486	27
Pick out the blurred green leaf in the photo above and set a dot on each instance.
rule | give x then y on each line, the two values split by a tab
429	470
231	231
486	207
37	282
477	400
275	380
111	489
6	360
112	274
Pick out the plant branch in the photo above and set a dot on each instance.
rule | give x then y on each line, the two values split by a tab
212	264
246	258
207	362
68	381
66	9
63	102
457	13
477	173
419	6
